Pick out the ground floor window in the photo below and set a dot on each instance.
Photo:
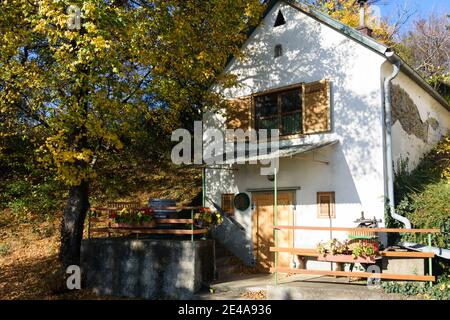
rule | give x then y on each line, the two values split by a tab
227	203
326	207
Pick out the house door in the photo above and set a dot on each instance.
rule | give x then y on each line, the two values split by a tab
263	236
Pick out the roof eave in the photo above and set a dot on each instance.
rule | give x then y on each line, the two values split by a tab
371	44
364	40
411	73
339	26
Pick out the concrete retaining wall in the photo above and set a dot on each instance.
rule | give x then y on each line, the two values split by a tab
150	269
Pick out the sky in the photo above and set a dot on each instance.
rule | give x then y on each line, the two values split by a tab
422	8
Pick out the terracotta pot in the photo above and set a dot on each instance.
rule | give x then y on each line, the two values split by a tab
150	224
345	258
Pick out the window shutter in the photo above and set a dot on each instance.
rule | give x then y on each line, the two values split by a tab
239	113
326	205
316	107
227	203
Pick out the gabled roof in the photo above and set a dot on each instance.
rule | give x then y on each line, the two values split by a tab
362	39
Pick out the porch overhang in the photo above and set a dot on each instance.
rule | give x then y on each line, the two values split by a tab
282	152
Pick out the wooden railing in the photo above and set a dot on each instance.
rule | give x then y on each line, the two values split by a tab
313	253
115	207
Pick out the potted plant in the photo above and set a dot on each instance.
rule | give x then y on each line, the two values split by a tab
365	250
206	218
132	218
336	251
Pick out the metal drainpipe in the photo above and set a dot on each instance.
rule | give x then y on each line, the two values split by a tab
388	129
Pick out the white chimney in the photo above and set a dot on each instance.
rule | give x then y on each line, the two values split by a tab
362	19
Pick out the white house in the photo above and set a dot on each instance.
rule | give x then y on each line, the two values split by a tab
323	85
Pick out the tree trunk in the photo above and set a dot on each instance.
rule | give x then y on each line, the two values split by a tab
73	223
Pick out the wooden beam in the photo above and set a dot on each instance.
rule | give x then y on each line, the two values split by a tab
358	229
150	231
405	277
143	207
400	254
299	252
174	221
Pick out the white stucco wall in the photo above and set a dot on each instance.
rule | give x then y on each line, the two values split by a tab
313	51
407	146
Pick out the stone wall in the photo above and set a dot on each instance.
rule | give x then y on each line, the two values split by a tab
150	269
405	110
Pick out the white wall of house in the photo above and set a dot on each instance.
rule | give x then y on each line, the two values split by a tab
314	51
408	146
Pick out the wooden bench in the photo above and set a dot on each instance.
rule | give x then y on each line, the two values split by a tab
303	252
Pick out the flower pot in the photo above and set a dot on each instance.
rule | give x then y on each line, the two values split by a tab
150	224
345	258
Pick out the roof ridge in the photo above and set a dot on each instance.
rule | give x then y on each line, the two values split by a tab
362	39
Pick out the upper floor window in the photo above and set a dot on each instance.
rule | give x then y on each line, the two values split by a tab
300	109
303	109
282	110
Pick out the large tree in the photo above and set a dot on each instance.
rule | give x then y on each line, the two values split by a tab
83	85
426	47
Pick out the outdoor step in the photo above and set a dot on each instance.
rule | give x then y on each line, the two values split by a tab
223	254
220	261
226	270
315	291
222	251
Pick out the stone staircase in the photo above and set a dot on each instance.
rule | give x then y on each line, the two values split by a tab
227	264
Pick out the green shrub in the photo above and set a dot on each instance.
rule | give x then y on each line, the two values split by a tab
404	288
24	197
20	208
423	196
17	189
439	291
431	209
5	249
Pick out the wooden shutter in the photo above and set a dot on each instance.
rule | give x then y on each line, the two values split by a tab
239	113
316	107
227	203
326	205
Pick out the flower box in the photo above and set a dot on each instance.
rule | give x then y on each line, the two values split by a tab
345	258
150	224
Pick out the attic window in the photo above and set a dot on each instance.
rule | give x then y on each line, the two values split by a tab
280	20
278	52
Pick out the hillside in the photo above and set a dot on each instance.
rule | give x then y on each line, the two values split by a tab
29	242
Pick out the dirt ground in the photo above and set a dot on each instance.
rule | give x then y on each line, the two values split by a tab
29	260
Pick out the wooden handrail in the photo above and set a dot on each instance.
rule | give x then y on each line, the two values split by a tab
388	276
313	253
150	231
388	230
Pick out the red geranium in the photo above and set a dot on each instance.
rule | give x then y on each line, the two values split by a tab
147	211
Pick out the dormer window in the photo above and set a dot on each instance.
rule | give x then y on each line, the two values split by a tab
278	52
280	20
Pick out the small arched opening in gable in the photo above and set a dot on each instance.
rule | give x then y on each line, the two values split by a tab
278	51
